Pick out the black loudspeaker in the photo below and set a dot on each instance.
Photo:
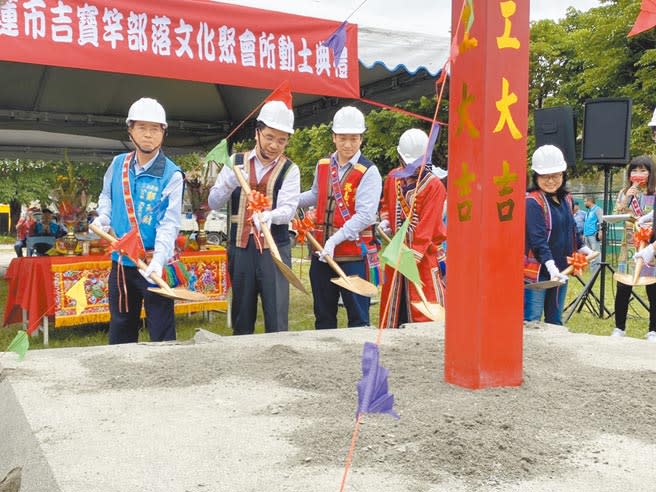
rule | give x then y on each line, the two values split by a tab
556	126
607	130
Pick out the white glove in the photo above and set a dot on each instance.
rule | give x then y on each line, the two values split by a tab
646	219
554	272
101	222
385	227
263	217
585	251
331	244
646	254
153	267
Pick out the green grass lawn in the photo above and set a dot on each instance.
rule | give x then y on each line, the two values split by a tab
301	316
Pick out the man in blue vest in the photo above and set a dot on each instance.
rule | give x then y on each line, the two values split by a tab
141	189
592	228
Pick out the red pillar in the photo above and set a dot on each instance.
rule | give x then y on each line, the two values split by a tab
487	176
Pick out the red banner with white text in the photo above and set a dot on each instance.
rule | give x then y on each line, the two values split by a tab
197	40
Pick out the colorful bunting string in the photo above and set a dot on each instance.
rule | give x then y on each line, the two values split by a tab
646	18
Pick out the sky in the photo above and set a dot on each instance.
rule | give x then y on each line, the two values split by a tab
427	16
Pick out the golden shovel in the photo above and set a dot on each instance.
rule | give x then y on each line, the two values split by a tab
352	282
548	284
432	310
635	279
273	247
178	293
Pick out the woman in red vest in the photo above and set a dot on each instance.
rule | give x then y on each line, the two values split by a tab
346	191
425	233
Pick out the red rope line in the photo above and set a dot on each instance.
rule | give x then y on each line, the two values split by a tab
351	452
442	79
402	111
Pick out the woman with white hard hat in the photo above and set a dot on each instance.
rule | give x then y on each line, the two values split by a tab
551	235
269	171
154	206
425	235
344	224
636	199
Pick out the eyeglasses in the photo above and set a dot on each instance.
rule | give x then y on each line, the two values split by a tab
551	177
155	129
270	139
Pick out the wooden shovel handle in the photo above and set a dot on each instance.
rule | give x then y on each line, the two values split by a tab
639	263
385	237
570	268
141	264
273	247
329	259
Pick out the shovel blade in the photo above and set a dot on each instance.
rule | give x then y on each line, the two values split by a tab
547	284
626	279
289	274
180	294
357	285
431	310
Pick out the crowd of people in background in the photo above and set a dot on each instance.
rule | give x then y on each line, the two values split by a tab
556	228
37	223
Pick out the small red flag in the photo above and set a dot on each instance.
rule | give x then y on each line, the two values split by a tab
282	93
130	245
646	18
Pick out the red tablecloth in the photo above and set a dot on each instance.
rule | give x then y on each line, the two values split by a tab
31	286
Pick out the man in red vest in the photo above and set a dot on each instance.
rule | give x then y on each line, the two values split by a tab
252	270
346	191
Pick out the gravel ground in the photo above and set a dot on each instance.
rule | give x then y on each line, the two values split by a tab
583	417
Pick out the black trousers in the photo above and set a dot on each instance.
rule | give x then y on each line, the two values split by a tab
326	295
622	305
124	325
253	273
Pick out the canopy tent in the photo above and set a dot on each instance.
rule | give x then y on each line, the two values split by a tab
45	109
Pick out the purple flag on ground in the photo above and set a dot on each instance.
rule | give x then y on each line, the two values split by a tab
411	169
373	396
336	42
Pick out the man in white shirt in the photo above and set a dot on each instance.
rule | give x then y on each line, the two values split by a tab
252	270
141	189
346	192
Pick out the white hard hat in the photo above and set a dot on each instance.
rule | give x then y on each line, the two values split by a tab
412	145
276	114
653	119
348	120
147	109
548	159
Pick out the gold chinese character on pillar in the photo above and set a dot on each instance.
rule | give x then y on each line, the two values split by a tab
503	106
506	40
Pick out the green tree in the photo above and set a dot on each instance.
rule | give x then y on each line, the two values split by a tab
22	182
587	55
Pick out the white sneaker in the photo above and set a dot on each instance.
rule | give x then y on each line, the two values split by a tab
651	336
617	333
